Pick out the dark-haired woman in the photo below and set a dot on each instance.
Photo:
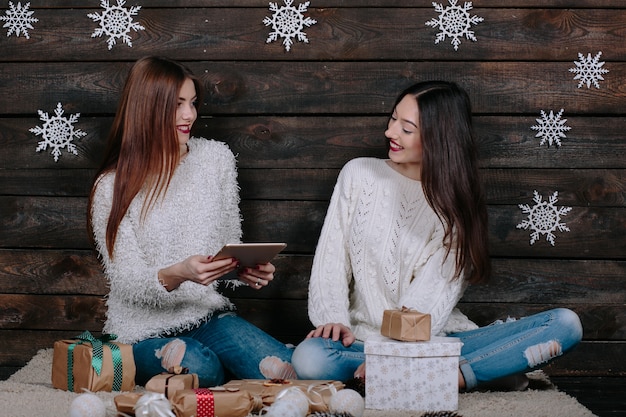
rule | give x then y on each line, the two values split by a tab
411	231
162	205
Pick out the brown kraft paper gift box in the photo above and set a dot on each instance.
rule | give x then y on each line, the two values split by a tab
265	391
76	367
169	383
197	402
212	402
406	325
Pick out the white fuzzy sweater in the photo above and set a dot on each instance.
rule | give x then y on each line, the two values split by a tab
381	248
198	214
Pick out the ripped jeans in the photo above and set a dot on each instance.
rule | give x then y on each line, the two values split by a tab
488	353
224	344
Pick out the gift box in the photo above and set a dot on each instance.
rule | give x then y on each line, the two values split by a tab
265	391
416	376
94	364
197	402
213	402
176	380
125	403
406	324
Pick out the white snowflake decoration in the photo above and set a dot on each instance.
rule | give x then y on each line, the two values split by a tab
18	19
58	132
544	218
550	128
454	22
116	22
589	70
288	22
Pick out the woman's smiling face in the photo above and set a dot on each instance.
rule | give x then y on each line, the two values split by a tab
186	111
405	143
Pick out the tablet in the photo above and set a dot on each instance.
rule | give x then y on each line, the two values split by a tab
250	254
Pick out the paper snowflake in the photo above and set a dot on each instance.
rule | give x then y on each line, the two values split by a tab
454	22
544	218
116	22
288	22
58	132
589	70
18	19
550	128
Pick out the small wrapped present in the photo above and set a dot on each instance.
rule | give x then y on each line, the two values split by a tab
213	402
125	403
177	379
94	364
265	391
406	325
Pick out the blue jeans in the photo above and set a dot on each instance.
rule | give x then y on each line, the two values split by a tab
488	353
225	343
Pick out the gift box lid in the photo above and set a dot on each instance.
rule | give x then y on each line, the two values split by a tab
436	346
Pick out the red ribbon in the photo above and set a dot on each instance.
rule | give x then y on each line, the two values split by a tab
205	402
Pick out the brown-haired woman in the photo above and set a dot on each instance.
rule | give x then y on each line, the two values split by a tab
411	231
163	203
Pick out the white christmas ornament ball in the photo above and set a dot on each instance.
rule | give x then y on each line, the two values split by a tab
296	397
285	409
347	401
87	405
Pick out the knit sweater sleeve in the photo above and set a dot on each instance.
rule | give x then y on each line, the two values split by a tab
432	289
132	278
331	272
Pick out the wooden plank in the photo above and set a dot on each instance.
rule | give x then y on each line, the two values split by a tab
237	33
576	187
46	312
51	272
546	281
311	141
598	233
264	87
80	4
59	223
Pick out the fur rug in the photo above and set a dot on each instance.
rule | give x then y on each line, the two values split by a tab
29	393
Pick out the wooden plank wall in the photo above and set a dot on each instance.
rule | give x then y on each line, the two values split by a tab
294	118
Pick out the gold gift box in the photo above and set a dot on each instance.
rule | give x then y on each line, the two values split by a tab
406	325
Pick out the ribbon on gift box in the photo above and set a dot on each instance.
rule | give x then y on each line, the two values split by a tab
97	346
205	402
212	402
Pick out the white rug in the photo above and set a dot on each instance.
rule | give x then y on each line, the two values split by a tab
29	393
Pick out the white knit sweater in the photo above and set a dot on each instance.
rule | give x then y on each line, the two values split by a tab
198	214
381	248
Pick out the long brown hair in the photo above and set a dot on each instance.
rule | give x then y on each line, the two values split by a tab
142	146
449	173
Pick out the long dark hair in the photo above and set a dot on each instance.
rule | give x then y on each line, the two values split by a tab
449	173
142	146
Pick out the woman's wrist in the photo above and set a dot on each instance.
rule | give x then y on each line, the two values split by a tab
169	282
